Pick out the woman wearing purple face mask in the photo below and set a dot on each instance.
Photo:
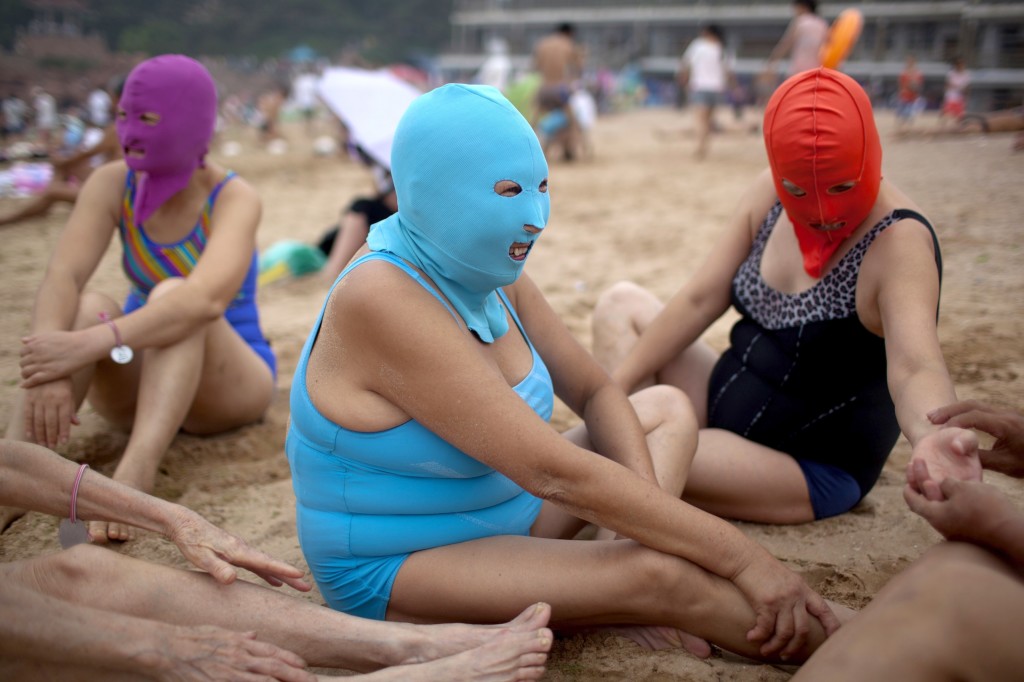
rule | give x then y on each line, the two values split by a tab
185	350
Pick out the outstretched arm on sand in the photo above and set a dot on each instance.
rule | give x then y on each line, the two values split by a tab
36	478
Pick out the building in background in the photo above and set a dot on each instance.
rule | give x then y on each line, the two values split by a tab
648	36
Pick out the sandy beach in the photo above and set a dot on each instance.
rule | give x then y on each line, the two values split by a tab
640	209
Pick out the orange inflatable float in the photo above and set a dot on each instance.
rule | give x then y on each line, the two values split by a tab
842	36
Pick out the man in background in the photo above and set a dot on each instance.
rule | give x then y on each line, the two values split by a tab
802	40
559	61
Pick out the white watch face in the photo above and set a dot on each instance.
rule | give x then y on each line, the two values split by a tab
122	355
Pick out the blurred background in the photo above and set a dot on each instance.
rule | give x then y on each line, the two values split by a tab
633	48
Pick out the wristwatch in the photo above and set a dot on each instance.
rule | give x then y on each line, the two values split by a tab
120	353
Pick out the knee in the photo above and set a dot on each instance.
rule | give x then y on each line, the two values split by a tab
91	305
618	302
63	574
665	405
620	295
165	286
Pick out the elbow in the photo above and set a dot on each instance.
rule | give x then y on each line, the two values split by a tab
198	305
549	487
564	491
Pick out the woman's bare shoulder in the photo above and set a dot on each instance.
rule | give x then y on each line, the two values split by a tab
377	283
110	174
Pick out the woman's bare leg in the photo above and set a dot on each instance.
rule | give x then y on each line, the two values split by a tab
96	577
735	478
703	116
671	431
956	614
122	400
209	382
621	315
56	191
586	582
730	476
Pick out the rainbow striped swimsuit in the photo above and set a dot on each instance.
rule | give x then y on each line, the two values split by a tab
146	263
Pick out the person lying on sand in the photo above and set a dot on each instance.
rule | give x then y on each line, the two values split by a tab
88	613
70	173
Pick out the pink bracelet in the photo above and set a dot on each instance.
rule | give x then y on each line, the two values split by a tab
117	334
120	353
74	492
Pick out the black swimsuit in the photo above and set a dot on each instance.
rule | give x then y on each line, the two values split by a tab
805	377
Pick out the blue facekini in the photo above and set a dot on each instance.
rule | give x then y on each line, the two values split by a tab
450	149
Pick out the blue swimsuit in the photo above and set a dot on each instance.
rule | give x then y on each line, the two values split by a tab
365	501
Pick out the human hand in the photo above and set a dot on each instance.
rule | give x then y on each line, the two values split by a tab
969	511
1007	453
47	356
215	551
49	412
946	453
784	606
203	653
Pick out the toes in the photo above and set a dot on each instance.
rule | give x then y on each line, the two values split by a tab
98	532
119	532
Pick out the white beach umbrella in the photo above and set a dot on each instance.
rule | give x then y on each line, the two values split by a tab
369	103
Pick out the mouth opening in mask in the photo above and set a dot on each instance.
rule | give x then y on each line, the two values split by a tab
519	250
828	227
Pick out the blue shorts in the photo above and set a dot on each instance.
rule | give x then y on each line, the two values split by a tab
360	586
907	110
705	98
833	491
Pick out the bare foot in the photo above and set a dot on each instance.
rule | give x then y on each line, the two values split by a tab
657	637
509	657
101	532
126	474
455	638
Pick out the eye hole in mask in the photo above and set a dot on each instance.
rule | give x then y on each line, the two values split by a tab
793	189
510	188
507	188
150	118
841	187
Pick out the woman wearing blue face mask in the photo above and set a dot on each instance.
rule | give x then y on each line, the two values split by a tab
429	484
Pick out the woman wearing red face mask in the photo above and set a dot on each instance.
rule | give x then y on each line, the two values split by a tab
185	350
836	275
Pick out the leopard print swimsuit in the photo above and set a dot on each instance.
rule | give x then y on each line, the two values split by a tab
802	374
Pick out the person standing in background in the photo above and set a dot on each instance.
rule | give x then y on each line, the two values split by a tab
559	61
704	73
911	82
954	101
14	110
802	40
497	67
305	97
46	116
99	106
